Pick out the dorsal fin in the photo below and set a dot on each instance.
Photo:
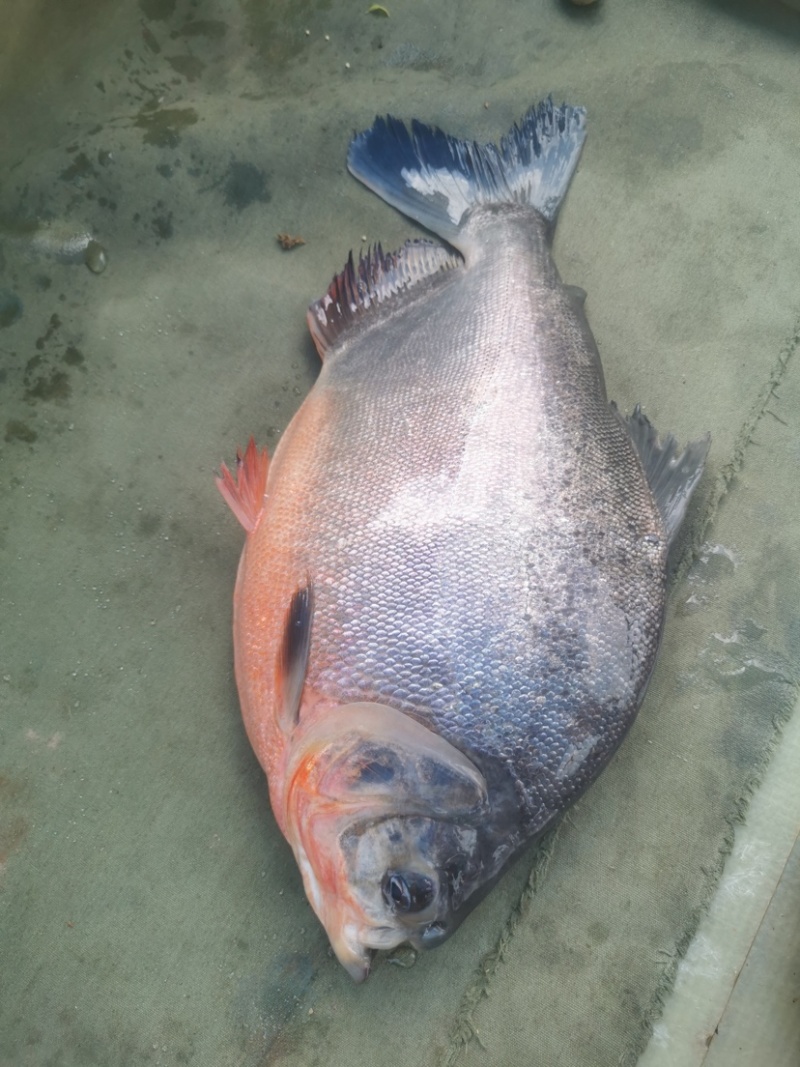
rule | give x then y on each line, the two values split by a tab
244	494
671	474
376	277
293	655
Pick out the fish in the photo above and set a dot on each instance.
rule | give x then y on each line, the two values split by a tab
452	588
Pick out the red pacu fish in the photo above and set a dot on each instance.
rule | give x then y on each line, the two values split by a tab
452	590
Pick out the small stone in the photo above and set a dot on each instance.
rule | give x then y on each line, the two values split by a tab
96	257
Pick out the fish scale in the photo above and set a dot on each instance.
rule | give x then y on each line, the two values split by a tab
452	592
452	518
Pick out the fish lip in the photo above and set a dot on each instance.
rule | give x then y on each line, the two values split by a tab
358	969
355	959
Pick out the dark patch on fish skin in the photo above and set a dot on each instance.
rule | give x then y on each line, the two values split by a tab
17	430
244	184
165	170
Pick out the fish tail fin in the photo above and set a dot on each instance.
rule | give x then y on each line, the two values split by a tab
435	179
244	493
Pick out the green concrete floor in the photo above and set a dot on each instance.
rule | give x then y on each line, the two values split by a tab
736	1000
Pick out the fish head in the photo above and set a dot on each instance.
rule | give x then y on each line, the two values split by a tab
384	817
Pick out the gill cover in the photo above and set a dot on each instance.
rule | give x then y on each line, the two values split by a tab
377	812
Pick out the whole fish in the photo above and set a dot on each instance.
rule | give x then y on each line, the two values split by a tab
452	591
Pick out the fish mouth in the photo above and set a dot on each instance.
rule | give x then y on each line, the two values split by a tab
355	946
353	956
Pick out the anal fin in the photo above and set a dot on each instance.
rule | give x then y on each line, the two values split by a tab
671	474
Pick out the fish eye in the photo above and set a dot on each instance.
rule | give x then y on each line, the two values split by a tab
407	891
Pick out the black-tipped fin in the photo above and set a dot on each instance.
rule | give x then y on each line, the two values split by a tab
377	277
293	656
672	475
436	179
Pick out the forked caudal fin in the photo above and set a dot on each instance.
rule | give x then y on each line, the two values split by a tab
244	494
436	179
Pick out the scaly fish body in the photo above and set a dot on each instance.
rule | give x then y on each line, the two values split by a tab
452	591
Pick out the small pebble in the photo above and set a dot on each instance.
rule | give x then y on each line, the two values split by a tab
96	257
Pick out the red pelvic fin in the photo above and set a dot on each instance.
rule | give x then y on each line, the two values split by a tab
244	494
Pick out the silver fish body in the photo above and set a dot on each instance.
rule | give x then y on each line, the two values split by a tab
505	572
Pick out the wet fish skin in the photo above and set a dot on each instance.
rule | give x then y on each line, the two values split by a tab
510	484
459	533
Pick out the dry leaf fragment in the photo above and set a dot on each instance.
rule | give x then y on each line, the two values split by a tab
289	240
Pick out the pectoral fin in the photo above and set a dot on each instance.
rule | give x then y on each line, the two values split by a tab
293	655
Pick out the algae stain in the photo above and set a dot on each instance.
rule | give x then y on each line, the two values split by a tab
211	29
157	9
53	325
17	430
73	356
189	67
244	184
163	126
80	167
10	308
277	30
52	386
